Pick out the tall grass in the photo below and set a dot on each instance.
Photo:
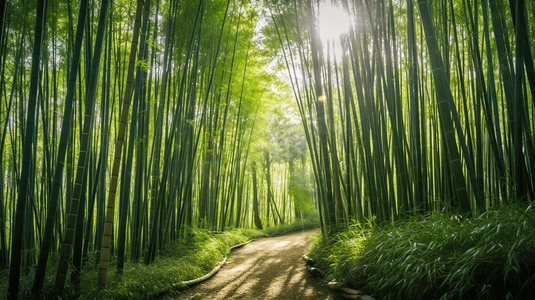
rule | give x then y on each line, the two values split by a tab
437	256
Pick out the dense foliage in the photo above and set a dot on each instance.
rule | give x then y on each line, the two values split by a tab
440	255
126	123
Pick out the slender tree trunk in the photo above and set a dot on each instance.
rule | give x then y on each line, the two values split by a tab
518	145
322	127
256	211
443	93
125	110
85	146
18	230
4	252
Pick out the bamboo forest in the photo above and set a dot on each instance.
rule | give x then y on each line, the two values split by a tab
129	128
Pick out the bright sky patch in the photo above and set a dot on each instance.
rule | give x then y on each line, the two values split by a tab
333	21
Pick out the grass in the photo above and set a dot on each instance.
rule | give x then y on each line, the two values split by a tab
308	223
181	260
437	256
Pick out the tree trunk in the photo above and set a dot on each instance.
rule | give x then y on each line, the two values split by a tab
18	230
110	211
257	221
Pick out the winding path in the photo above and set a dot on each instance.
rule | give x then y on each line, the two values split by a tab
268	268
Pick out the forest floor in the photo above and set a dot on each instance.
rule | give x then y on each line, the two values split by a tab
267	268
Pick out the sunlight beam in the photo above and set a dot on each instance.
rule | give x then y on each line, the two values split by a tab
333	21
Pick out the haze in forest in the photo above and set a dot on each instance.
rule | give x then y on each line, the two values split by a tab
128	125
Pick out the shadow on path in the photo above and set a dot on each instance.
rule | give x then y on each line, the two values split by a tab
268	268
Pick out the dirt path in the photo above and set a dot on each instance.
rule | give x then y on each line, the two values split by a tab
268	268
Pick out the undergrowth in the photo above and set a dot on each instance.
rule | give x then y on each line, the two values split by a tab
299	225
181	260
437	256
187	258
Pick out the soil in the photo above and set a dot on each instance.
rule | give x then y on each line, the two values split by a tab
268	268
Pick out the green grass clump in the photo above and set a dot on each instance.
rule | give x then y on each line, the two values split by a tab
438	256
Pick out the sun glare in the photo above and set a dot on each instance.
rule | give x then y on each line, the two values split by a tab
333	21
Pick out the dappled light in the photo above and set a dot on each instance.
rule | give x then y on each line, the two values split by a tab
131	130
266	269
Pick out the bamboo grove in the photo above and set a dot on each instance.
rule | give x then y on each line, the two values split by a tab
129	122
144	119
419	106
